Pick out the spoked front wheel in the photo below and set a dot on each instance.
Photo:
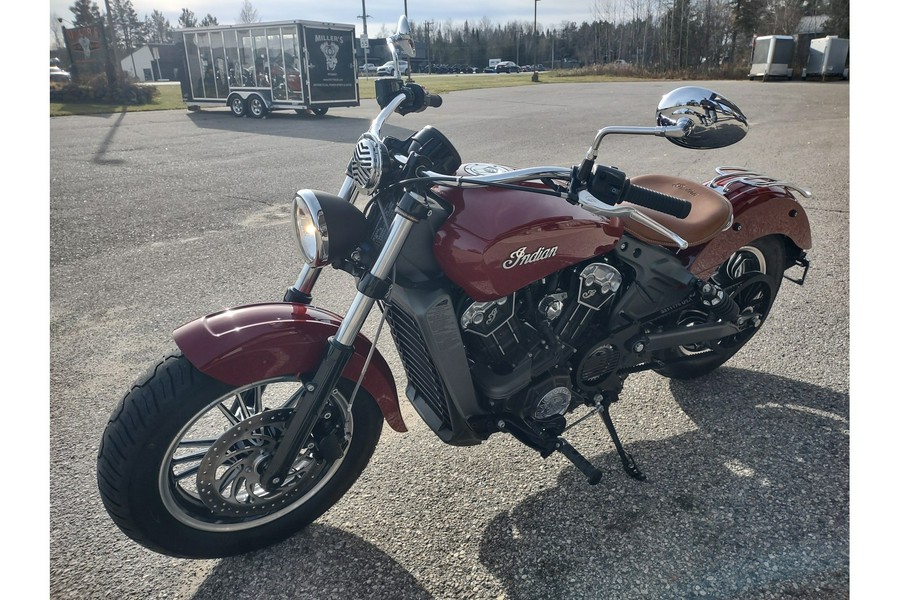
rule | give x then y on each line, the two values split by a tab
181	460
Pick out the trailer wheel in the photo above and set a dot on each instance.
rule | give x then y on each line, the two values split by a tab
238	106
256	106
319	111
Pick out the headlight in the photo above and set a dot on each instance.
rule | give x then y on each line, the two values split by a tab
310	228
312	211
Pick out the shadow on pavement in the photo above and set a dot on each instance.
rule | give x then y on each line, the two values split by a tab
320	562
751	504
331	128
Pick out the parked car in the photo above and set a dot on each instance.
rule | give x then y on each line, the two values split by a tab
367	69
489	70
507	66
387	69
58	75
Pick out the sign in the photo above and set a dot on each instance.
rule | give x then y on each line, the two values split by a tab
364	42
86	47
330	57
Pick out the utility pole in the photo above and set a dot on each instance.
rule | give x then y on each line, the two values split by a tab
365	43
112	66
534	73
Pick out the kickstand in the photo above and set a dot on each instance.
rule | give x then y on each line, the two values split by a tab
627	460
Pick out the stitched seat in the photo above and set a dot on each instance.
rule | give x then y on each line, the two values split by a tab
710	211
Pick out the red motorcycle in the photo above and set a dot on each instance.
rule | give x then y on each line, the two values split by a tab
514	297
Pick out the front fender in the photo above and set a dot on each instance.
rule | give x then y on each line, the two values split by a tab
758	211
251	343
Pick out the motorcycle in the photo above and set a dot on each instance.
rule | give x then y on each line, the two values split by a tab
514	297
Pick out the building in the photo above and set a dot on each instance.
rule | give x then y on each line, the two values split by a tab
153	62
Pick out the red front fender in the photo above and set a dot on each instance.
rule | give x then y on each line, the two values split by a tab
251	343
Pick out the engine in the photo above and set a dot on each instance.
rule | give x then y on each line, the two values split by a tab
532	352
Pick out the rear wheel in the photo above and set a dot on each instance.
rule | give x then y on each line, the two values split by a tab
319	110
180	462
764	256
256	107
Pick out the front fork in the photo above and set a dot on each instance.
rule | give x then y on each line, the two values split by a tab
312	397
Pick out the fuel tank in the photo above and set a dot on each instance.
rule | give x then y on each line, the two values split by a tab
497	240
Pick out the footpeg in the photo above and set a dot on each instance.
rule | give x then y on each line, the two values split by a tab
592	473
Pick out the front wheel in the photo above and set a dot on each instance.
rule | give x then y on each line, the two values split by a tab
181	459
238	106
766	256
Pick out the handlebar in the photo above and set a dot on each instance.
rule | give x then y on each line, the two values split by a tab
654	200
610	185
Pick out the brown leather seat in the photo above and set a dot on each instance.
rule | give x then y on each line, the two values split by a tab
710	211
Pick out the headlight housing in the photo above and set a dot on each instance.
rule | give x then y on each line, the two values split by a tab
312	212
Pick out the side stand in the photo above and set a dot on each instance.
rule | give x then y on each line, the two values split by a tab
627	460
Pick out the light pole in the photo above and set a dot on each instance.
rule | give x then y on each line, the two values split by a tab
534	73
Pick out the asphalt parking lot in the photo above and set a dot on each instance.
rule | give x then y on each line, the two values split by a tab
159	217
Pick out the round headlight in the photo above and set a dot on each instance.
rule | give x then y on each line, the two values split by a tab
310	228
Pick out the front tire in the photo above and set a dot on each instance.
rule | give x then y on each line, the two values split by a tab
238	106
765	255
179	464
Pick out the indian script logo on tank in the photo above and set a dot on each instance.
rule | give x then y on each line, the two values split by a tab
330	46
521	257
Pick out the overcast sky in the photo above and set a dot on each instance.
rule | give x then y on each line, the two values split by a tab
383	12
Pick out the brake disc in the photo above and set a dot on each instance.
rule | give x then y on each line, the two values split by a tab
228	480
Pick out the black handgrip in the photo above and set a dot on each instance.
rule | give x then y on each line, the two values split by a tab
656	200
433	100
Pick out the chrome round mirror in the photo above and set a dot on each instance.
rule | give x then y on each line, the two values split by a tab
706	119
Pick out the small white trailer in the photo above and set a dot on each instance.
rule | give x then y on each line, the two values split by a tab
772	57
256	68
827	57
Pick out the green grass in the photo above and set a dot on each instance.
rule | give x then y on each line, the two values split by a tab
170	95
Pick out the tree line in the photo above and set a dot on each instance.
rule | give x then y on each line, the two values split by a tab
663	34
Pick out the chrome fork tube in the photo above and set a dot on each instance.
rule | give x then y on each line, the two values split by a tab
362	304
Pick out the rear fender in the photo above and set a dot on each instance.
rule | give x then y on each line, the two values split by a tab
251	343
758	211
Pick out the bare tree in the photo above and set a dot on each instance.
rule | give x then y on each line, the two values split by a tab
248	13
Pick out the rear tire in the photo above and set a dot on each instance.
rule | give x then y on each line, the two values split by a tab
256	107
765	255
180	458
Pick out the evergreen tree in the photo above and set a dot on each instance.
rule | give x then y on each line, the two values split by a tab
838	19
86	12
129	29
158	28
187	19
209	21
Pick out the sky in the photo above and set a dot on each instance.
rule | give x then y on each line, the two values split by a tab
384	13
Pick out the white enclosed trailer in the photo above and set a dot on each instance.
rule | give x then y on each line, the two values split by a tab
772	57
827	57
